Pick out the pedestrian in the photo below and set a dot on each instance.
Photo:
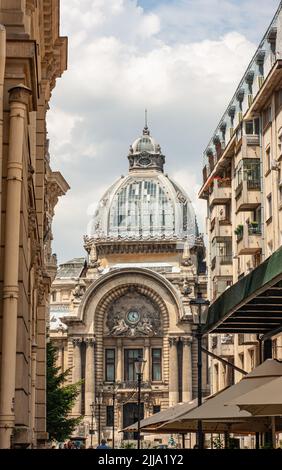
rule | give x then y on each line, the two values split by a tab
103	445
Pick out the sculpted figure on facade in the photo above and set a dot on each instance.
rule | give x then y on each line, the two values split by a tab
140	318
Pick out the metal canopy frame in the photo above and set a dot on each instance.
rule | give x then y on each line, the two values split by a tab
253	305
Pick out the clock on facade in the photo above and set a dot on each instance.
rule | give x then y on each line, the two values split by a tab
144	161
133	316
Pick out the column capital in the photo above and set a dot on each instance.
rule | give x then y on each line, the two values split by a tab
20	93
90	341
173	340
187	340
76	341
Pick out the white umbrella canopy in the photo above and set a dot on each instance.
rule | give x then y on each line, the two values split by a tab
265	400
215	408
162	416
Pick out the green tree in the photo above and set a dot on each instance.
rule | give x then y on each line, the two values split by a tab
60	399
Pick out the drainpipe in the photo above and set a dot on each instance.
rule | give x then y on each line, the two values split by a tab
19	98
2	75
262	190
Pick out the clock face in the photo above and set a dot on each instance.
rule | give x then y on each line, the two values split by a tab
144	161
133	316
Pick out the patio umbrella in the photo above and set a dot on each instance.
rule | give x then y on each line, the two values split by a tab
230	416
263	401
162	416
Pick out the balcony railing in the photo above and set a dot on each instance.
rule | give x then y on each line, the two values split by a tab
227	339
247	339
222	266
132	385
254	229
220	192
249	240
248	195
222	228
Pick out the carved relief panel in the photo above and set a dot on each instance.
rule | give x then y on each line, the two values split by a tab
133	314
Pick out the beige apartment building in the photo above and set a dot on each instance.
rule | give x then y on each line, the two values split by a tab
129	298
242	184
32	57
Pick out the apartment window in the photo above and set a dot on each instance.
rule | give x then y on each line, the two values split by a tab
222	250
279	99
280	185
156	364
248	170
252	359
266	117
110	415
269	206
110	365
54	296
130	356
252	127
268	159
156	409
257	260
270	247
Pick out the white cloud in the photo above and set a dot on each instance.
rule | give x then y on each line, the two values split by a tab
121	61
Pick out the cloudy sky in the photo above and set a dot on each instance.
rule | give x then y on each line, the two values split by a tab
180	59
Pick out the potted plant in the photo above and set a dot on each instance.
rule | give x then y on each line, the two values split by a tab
253	227
239	230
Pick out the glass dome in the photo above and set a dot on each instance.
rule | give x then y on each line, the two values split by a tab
151	206
146	203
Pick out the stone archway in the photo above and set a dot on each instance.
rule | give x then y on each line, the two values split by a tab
101	315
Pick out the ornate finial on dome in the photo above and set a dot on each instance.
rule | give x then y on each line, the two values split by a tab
146	130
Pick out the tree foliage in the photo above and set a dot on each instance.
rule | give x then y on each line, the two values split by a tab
60	399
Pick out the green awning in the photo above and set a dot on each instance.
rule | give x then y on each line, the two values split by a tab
253	304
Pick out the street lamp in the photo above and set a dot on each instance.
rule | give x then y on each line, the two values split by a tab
92	406
139	368
99	401
199	312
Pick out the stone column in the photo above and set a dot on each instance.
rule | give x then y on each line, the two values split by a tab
147	367
173	372
2	75
77	372
119	377
89	375
187	369
19	100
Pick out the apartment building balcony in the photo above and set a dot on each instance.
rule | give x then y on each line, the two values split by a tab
248	195
221	266
221	192
249	239
221	228
247	339
252	140
223	345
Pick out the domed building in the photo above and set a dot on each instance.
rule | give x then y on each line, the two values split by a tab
130	297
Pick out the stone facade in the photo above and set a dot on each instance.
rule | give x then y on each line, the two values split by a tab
130	297
32	56
243	189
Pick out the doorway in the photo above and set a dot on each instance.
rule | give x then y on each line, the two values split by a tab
130	416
